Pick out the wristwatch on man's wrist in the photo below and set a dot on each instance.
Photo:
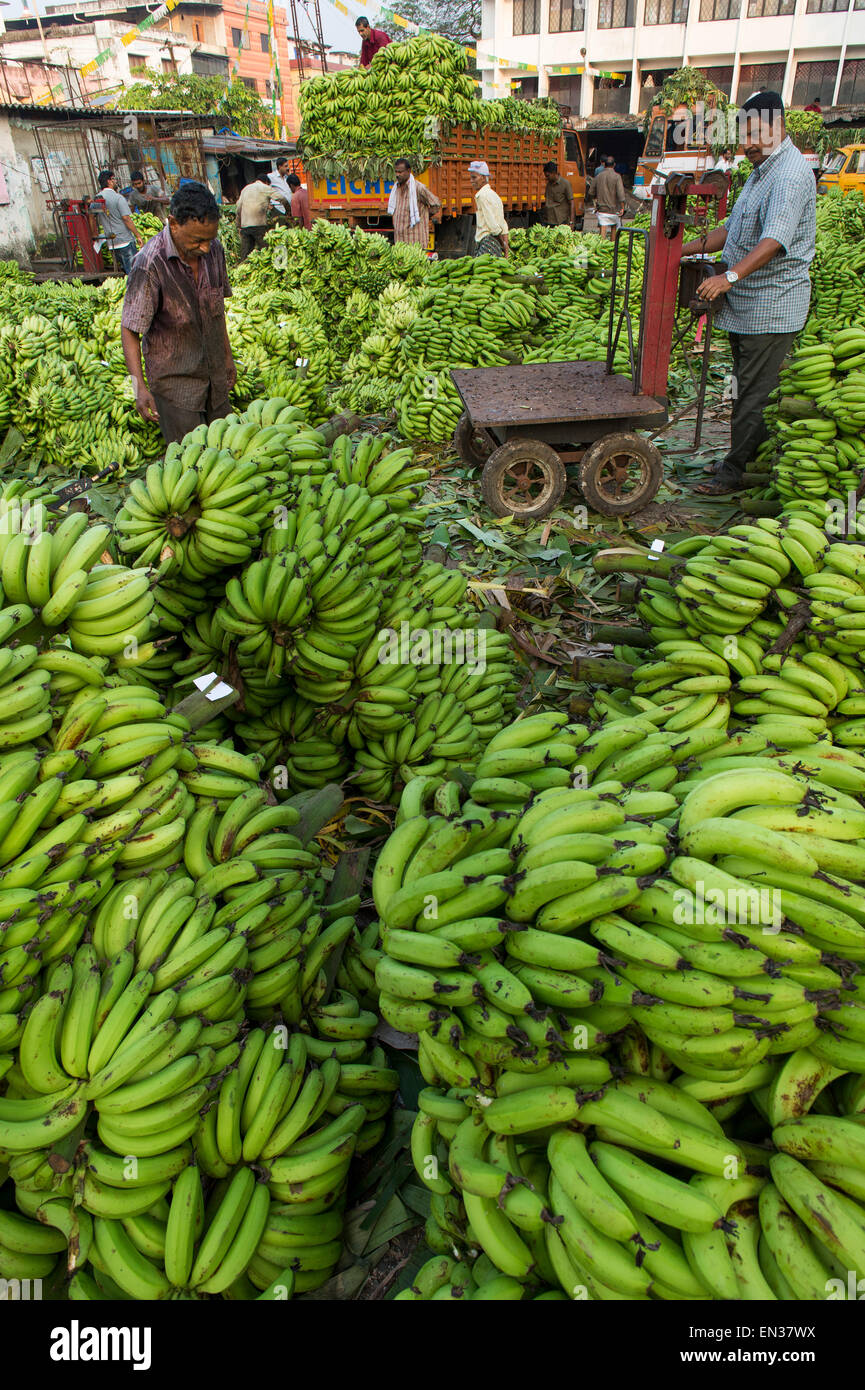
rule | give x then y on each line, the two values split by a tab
731	277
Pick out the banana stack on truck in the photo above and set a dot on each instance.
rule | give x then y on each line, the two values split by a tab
516	161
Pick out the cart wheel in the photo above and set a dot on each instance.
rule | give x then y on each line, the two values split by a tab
524	478
620	473
471	443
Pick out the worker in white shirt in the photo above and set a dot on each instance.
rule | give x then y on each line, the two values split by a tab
251	213
278	179
491	231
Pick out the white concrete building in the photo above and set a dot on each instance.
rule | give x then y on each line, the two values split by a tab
604	56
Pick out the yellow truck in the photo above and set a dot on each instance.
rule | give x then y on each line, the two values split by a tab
845	170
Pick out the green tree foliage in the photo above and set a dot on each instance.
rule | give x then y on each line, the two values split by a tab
230	104
455	19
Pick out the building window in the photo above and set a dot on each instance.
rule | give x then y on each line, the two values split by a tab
240	38
830	6
719	9
852	89
815	82
615	14
527	16
666	11
759	77
566	91
197	33
566	16
525	89
722	77
169	65
769	9
268	90
265	42
250	82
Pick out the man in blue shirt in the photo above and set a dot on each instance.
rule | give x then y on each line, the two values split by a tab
762	298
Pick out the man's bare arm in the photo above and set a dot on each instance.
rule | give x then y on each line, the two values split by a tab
144	402
712	241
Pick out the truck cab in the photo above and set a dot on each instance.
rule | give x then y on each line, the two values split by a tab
666	152
845	170
573	167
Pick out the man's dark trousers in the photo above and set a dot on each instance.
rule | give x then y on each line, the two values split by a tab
251	239
757	359
176	421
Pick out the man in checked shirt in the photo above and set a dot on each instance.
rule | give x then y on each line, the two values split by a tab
762	298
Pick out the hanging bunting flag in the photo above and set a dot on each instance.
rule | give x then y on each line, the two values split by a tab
566	68
271	43
131	34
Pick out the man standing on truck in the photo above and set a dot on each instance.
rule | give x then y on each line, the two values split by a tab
609	198
175	301
763	297
491	230
558	198
373	40
409	207
278	179
250	211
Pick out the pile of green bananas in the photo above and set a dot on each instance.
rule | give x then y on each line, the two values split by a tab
667	910
168	1012
528	1207
839	258
292	567
148	224
477	312
363	119
320	269
270	330
374	372
209	502
62	386
817	447
620	1068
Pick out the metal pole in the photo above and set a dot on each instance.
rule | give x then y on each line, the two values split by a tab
319	33
298	45
32	6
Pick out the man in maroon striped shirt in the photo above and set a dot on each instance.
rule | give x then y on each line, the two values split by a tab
175	309
373	40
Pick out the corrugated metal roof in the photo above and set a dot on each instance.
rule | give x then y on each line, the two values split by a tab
241	144
24	108
837	115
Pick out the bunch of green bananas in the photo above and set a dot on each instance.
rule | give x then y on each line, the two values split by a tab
309	276
362	119
63	380
816	443
760	1233
207	503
